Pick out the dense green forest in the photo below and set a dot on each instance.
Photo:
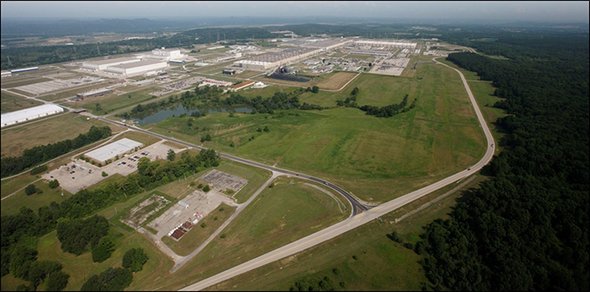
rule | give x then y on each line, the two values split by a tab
527	227
39	154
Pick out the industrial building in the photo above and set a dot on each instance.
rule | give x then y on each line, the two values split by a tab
272	60
107	153
92	93
168	54
393	44
137	68
28	114
102	65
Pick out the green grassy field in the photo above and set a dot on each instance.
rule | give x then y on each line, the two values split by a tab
284	213
22	81
12	205
112	102
11	102
376	158
380	263
200	232
55	129
255	176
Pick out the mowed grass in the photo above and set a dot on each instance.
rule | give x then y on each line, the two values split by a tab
200	232
51	130
377	90
80	268
112	102
336	80
12	102
377	159
281	214
13	204
255	176
380	263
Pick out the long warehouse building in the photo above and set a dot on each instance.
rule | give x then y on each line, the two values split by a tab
28	114
104	64
110	151
137	68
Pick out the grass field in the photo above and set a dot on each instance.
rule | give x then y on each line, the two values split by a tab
112	102
380	264
67	126
12	205
284	213
22	81
377	90
200	232
255	176
12	102
376	158
336	80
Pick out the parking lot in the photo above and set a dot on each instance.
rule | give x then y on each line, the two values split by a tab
79	174
191	209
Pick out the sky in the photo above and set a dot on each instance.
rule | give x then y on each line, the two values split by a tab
542	11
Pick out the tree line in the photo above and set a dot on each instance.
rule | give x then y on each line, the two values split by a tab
526	228
39	154
381	112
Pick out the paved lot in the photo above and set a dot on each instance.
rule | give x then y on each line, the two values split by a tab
79	174
224	182
192	208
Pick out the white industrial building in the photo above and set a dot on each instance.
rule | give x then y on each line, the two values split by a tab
111	151
137	68
394	44
168	54
104	64
28	114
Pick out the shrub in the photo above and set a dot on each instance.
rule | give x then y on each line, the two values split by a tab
30	189
53	184
134	259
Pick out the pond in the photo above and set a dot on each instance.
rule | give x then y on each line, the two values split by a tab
182	110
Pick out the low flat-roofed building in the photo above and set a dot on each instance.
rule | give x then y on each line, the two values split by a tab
138	68
110	151
97	92
104	64
28	114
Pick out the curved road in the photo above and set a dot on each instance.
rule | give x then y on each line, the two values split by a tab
359	219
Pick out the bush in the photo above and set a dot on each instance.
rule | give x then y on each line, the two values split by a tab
206	188
134	259
113	279
104	174
53	183
395	237
103	250
31	189
56	281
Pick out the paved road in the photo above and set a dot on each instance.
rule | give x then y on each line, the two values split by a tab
359	219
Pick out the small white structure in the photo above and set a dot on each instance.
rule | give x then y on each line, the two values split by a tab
137	68
104	64
28	114
112	150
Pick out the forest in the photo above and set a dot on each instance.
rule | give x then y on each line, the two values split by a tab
39	154
526	228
